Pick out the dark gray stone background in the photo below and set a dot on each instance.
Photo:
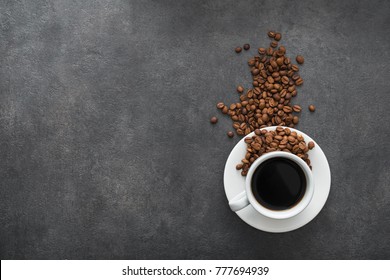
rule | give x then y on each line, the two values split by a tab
106	150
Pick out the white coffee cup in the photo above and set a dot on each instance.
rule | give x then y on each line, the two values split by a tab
246	197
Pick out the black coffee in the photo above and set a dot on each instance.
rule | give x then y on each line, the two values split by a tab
278	183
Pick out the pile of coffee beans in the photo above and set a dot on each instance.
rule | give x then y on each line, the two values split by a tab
280	139
275	82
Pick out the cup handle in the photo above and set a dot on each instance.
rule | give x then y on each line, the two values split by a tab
239	202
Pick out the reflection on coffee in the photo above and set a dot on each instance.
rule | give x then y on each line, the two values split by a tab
278	184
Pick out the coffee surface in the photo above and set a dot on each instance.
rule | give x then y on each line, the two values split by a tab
278	184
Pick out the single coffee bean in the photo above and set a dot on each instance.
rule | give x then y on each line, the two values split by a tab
279	61
225	110
239	166
312	108
220	105
278	36
300	59
230	134
251	62
282	50
247	47
285	80
310	145
274	44
297	108
240	89
261	51
299	82
238	49
255	72
295	77
274	64
271	34
214	120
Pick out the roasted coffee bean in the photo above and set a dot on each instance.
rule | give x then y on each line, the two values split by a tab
280	62
238	49
261	51
270	51
274	44
300	59
214	120
299	82
297	108
310	145
271	34
295	68
282	50
247	47
230	134
295	77
225	109
255	72
312	108
276	140
285	80
274	81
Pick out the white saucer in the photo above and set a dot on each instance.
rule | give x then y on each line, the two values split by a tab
235	183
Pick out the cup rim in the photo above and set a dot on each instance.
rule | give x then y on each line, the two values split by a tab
281	214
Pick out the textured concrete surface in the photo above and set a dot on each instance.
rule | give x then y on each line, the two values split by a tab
106	150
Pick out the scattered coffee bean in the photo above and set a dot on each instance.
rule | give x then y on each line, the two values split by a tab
275	81
230	134
274	44
280	139
297	108
238	49
261	51
247	47
220	105
312	108
271	34
214	120
225	110
300	59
